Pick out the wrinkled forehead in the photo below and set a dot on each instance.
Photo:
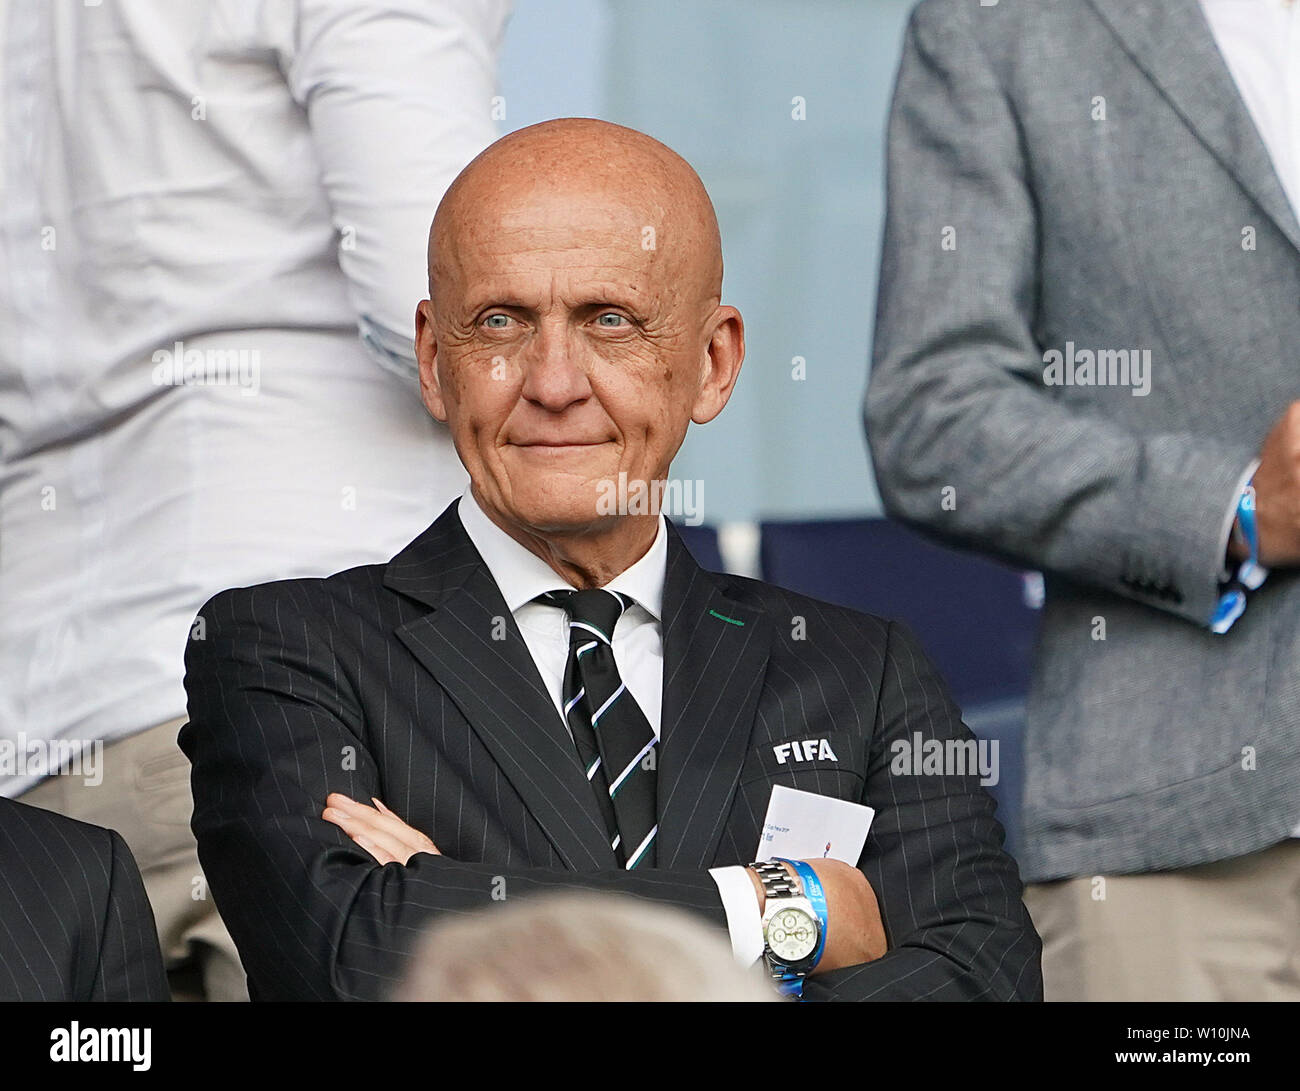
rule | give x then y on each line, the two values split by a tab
544	229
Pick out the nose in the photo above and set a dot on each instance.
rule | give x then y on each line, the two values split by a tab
554	375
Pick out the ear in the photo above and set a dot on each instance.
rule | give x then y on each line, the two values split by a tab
426	352
723	356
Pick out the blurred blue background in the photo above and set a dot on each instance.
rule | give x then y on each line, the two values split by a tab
800	204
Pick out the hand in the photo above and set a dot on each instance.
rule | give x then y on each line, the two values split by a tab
1277	492
380	832
854	931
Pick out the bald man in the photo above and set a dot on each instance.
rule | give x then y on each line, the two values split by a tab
544	690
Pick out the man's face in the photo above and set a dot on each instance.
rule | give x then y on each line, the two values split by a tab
567	350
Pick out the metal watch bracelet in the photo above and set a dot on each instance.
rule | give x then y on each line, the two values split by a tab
780	883
777	881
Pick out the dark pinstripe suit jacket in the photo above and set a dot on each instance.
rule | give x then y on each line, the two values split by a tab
387	681
74	920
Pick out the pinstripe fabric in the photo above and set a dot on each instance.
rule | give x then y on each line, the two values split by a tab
410	682
74	920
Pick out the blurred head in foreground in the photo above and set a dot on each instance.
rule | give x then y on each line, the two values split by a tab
589	947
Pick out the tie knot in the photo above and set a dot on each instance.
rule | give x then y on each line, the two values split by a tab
595	609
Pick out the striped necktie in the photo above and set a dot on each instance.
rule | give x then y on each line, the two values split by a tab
614	739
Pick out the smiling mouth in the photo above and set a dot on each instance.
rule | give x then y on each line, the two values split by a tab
558	448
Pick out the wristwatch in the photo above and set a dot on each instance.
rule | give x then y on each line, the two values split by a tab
792	929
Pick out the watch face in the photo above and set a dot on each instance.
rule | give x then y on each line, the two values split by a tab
792	935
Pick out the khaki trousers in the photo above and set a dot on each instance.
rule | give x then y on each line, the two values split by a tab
145	796
1229	930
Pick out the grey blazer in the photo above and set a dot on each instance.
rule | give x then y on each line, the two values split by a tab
1083	177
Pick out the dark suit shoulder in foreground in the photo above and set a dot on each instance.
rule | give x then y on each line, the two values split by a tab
75	922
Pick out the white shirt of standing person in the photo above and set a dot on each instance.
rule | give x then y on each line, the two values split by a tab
213	226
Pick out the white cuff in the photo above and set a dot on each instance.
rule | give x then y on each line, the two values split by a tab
743	919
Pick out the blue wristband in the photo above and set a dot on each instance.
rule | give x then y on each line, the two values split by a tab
1250	573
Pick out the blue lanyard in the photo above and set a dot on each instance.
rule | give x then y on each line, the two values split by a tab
1250	573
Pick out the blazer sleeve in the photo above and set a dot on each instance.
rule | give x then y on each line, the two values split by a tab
274	728
130	961
950	897
957	396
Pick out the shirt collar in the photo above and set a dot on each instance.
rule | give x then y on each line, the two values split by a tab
521	575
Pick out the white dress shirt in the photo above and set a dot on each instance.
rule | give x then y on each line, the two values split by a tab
1260	40
638	648
239	176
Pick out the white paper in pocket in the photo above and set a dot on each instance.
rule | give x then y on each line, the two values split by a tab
807	826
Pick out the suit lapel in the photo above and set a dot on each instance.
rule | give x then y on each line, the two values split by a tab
495	685
715	658
1173	44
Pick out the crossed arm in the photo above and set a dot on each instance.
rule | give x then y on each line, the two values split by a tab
314	891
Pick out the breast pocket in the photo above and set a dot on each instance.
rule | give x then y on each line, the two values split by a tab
827	762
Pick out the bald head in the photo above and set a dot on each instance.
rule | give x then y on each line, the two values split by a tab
573	332
629	182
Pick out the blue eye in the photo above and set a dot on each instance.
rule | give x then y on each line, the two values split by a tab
496	321
618	320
